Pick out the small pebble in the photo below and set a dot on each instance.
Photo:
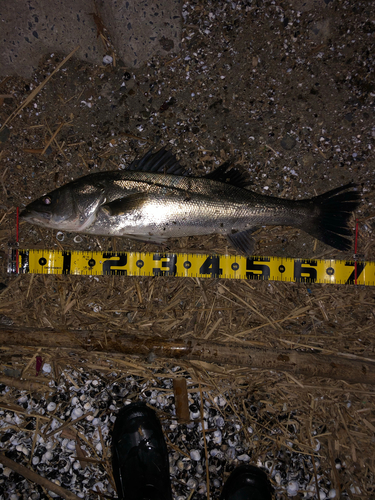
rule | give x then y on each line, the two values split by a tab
51	406
172	470
71	445
199	469
107	60
217	437
76	413
292	488
219	422
202	488
192	483
47	368
7	471
194	414
316	443
288	142
22	449
47	456
180	465
161	399
195	455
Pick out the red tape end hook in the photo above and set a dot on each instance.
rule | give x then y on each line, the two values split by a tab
355	251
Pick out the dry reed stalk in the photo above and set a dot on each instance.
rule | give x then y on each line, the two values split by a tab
291	361
67	424
24	385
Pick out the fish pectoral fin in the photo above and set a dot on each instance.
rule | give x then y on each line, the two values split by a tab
147	238
243	241
124	205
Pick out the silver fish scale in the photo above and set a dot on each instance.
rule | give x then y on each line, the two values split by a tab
181	206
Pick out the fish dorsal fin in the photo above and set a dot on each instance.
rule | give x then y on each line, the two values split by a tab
161	162
124	205
228	174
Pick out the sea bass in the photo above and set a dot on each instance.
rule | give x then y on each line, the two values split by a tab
152	201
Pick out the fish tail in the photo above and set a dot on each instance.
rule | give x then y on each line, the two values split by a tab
331	215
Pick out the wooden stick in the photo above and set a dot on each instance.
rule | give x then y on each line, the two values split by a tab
338	367
35	478
24	384
181	400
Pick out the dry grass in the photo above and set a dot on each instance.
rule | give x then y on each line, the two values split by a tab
326	319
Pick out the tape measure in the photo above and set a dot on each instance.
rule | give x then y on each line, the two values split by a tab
191	265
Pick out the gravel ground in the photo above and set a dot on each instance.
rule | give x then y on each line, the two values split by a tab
284	89
31	435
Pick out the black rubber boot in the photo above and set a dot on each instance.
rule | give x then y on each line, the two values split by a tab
247	482
139	455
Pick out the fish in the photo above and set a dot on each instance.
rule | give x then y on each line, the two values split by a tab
154	199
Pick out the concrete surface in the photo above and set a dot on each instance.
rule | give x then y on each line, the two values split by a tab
141	28
138	30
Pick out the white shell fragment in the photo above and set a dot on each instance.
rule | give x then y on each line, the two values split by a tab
77	238
195	455
47	368
292	488
107	60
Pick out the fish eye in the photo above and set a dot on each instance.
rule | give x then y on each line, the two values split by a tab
47	200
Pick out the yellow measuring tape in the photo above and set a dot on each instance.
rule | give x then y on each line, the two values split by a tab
191	265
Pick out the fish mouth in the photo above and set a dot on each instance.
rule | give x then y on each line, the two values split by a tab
35	217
